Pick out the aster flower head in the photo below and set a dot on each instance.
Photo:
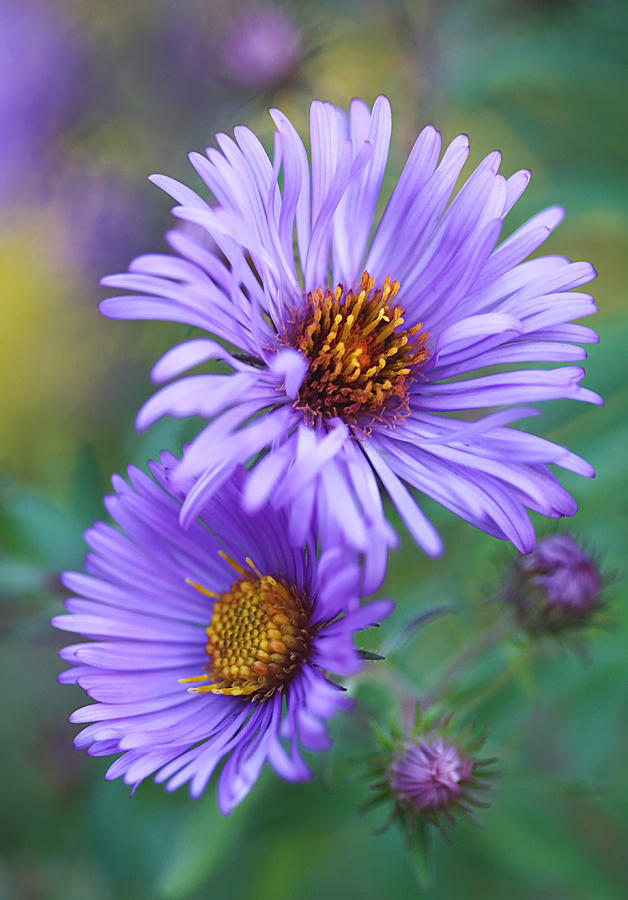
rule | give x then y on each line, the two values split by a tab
210	644
555	588
362	348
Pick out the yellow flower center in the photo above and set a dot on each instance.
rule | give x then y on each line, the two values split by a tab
361	359
257	637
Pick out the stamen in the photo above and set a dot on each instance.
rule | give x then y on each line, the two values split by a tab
201	589
361	359
234	565
250	563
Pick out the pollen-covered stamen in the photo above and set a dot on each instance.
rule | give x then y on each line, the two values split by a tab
258	636
361	358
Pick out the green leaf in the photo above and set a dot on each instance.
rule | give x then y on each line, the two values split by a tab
368	654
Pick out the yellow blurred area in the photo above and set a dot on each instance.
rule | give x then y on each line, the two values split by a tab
56	353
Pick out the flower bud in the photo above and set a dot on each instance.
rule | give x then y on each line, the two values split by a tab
432	776
556	587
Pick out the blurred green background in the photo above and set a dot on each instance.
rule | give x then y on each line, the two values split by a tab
94	97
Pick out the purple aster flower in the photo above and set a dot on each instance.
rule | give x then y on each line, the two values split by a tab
209	644
556	587
365	356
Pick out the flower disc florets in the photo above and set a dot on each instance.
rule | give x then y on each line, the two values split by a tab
361	361
557	587
257	638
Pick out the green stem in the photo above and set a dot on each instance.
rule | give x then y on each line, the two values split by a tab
486	641
406	691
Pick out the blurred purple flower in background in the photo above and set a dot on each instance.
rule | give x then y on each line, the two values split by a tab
554	588
359	375
244	47
42	84
165	607
260	47
103	219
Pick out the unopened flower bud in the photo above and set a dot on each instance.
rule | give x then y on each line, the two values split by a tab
432	777
556	587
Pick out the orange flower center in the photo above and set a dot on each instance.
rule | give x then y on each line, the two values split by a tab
361	358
